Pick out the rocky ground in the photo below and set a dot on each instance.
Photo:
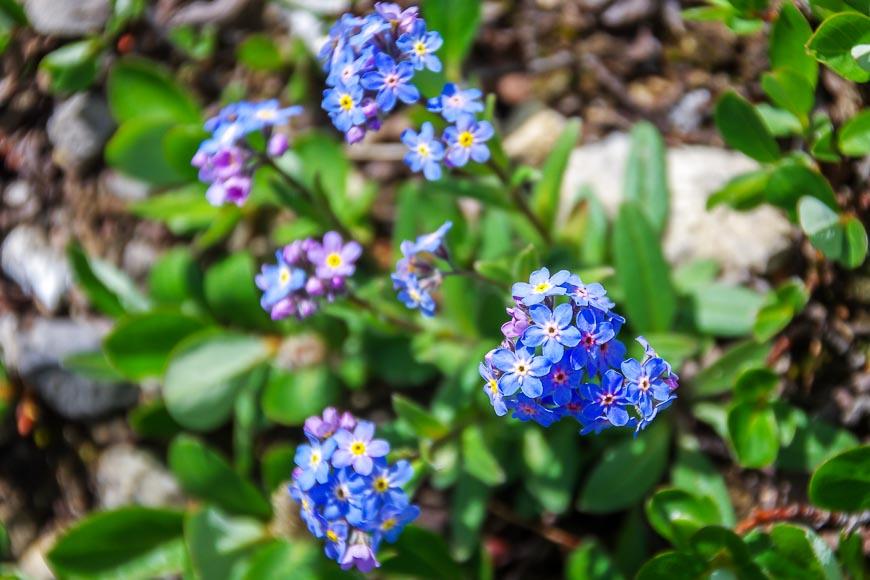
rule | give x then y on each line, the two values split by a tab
611	62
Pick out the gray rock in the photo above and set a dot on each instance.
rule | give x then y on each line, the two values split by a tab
535	137
688	114
17	193
78	130
37	354
126	475
39	269
738	241
628	12
124	187
67	18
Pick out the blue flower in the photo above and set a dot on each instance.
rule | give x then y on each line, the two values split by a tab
419	46
279	281
336	540
552	329
360	554
403	20
560	382
394	518
348	67
527	409
453	102
575	404
267	114
588	294
522	370
385	485
313	459
646	383
391	81
467	139
492	390
540	285
432	242
358	448
414	296
593	333
371	26
607	400
646	420
610	355
343	105
425	152
313	520
343	496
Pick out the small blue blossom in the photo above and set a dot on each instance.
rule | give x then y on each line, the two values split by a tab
467	140
593	333
394	518
425	152
552	330
391	81
560	382
607	400
453	102
646	383
372	25
588	294
540	286
336	540
492	389
343	105
278	281
385	485
432	243
414	296
348	68
313	460
358	448
419	46
610	355
343	496
308	512
522	370
526	408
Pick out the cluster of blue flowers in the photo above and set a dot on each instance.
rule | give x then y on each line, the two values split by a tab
417	275
561	358
370	63
307	271
349	495
225	160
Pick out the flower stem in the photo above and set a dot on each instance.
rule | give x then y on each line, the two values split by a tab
520	202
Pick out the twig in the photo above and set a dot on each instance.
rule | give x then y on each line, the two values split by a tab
797	511
552	534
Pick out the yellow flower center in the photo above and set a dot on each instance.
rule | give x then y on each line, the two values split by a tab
466	139
415	296
381	484
423	150
333	537
420	48
542	287
284	276
493	385
266	114
315	458
346	102
333	260
388	524
358	448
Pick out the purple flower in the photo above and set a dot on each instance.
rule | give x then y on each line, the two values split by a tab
420	47
403	20
425	152
522	370
324	427
607	400
391	81
453	102
278	145
540	285
334	257
467	140
552	329
588	294
517	325
234	190
358	448
360	554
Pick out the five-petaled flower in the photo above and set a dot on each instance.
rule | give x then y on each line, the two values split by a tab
467	140
522	370
425	153
552	329
540	285
358	448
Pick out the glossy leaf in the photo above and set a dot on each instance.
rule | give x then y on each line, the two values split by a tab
693	472
546	194
73	66
551	465
842	483
590	561
833	41
719	377
140	88
743	129
724	310
788	39
790	90
139	346
107	288
221	546
136	149
477	458
457	21
677	514
753	433
231	293
291	397
646	179
854	137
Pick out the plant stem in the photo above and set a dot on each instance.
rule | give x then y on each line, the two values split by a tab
552	534
515	193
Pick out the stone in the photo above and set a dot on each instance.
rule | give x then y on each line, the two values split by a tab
40	270
126	475
79	129
739	241
688	114
67	18
17	193
123	187
37	353
34	561
534	138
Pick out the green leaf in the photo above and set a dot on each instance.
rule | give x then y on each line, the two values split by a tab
672	565
788	40
842	483
833	41
814	442
478	460
779	309
642	272
107	288
221	546
152	421
725	552
277	465
202	378
779	122
677	514
457	21
281	557
693	472
822	226
526	261
545	196
791	179
854	136
206	475
646	174
231	294
719	377
179	146
468	513
692	276
723	310
796	552
743	129
141	88
136	149
626	472
591	562
791	91
73	66
183	210
421	421
822	138
291	397
260	52
744	192
139	345
421	553
753	432
552	465
176	278
131	542
856	243
755	385
93	365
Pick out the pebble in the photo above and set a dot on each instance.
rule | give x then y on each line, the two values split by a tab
79	129
126	475
67	18
534	138
40	270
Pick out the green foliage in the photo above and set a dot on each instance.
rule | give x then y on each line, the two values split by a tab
743	129
457	21
646	178
545	197
833	41
842	483
73	67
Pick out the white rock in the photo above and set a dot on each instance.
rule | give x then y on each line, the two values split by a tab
126	475
67	18
124	187
39	269
738	241
33	562
535	137
78	129
17	193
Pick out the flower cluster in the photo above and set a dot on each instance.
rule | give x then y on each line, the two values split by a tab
462	141
350	496
307	272
370	63
416	275
561	358
225	160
